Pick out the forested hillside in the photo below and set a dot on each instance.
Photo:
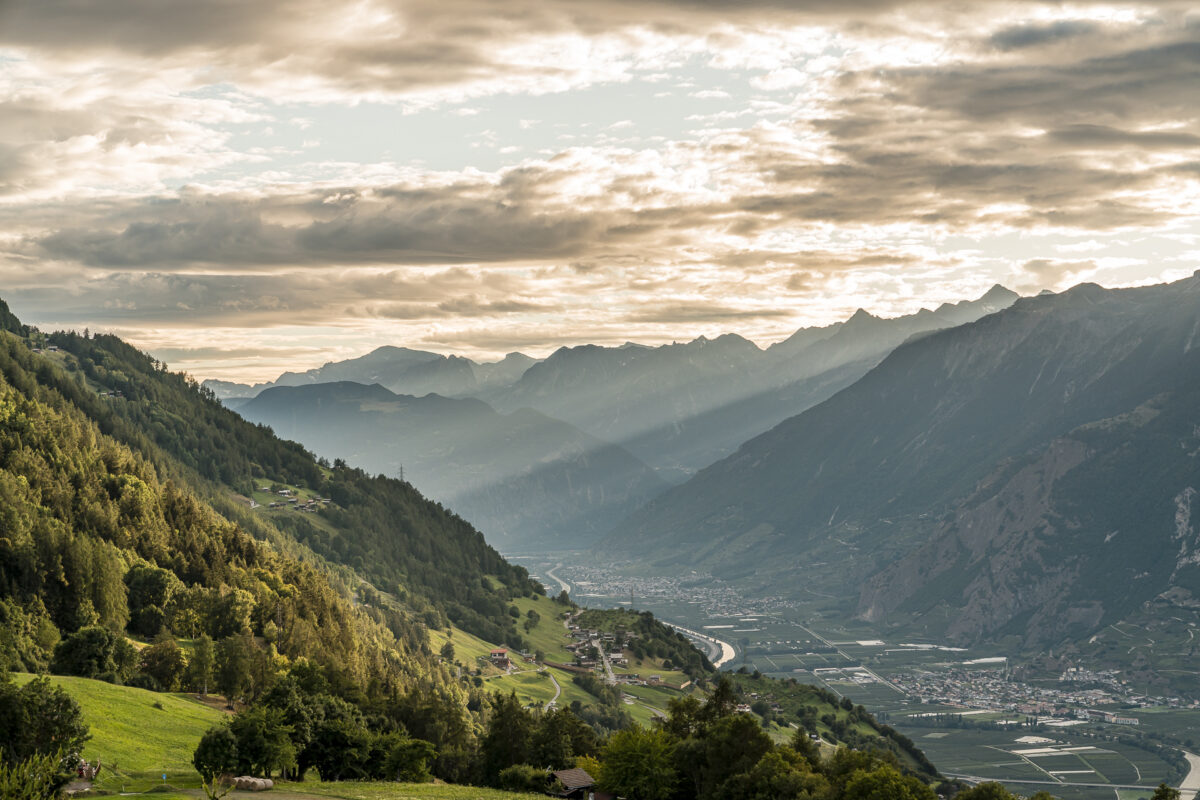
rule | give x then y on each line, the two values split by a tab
383	528
118	522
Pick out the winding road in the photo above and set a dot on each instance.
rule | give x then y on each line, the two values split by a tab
557	691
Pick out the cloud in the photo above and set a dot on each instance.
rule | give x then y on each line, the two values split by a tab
869	151
680	312
1059	274
1019	37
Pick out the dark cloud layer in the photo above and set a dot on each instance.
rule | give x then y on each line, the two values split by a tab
1060	120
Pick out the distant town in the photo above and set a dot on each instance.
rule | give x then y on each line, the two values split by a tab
978	686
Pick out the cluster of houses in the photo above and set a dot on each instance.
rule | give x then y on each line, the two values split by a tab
587	646
291	501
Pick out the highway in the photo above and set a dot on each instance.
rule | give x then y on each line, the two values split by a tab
550	574
724	648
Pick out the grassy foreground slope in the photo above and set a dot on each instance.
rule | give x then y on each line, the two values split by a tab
357	790
146	734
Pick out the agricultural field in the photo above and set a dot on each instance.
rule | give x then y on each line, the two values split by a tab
1181	724
1055	758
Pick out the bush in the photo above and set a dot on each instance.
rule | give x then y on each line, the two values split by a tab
88	653
408	760
524	778
38	720
143	681
216	754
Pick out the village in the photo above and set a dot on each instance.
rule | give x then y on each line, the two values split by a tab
1075	700
595	652
290	499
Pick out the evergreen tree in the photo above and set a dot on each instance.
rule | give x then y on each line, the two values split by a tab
638	764
508	736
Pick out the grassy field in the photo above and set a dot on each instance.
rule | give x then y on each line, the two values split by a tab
144	741
351	790
467	647
548	635
531	686
354	790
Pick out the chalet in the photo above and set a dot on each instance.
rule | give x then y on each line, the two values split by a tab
575	783
499	658
655	679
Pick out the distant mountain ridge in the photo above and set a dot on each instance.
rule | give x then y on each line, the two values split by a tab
1029	475
521	477
615	410
401	369
680	407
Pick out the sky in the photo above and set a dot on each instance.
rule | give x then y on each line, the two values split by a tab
243	187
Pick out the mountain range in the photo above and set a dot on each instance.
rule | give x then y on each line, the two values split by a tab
566	447
400	369
1026	478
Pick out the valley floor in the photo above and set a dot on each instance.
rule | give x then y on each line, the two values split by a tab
966	710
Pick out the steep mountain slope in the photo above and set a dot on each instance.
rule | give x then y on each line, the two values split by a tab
383	529
522	478
681	406
79	509
1072	537
1027	472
